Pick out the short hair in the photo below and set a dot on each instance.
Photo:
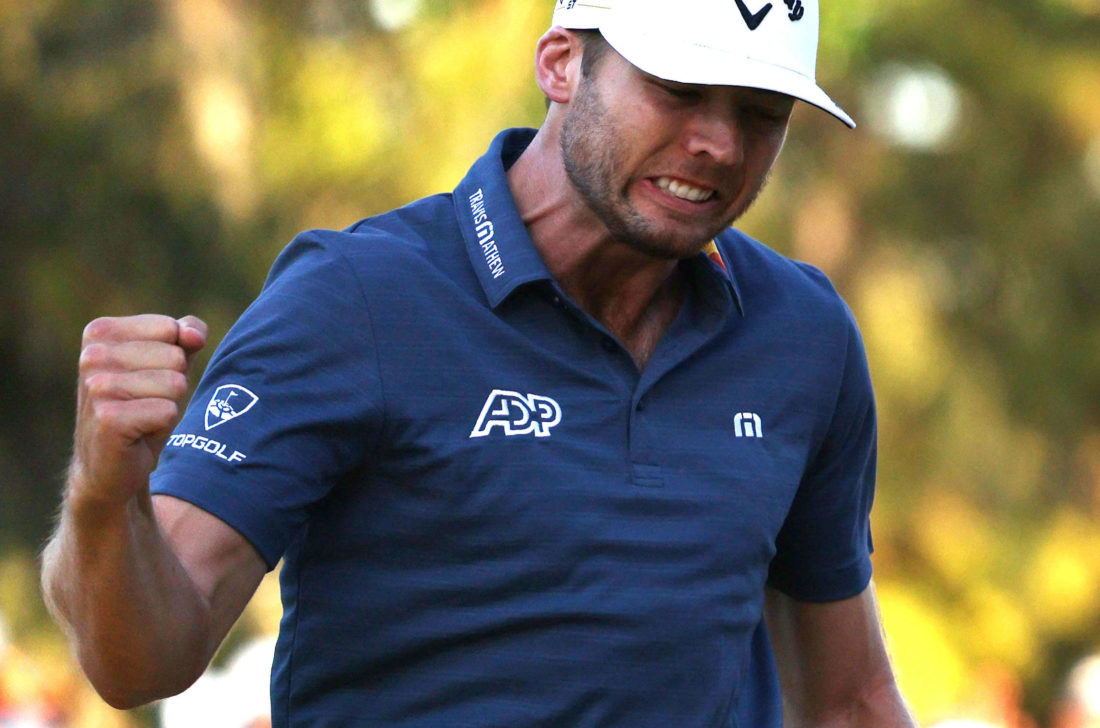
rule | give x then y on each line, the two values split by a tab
595	47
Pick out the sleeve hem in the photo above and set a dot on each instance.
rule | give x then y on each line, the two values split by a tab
232	510
825	586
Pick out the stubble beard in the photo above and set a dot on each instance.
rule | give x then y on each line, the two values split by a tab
592	151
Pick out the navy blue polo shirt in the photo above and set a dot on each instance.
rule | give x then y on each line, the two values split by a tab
488	515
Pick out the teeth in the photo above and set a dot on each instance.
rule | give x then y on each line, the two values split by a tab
683	190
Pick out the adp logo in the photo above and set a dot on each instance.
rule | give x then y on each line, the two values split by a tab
517	414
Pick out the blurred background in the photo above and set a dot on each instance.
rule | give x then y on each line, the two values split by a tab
156	156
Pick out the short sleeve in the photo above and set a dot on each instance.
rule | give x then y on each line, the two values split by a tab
290	403
823	551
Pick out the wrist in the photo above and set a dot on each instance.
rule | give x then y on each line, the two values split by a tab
88	506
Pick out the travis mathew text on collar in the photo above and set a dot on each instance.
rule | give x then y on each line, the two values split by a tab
484	227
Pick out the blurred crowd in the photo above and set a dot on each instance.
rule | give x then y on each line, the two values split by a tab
26	700
235	695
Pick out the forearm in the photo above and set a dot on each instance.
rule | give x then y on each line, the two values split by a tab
879	706
882	708
140	627
833	667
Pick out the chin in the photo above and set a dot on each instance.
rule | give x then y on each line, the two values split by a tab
660	233
678	247
677	236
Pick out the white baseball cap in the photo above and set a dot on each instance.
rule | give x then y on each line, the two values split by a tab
767	45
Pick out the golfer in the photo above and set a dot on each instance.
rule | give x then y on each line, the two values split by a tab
560	448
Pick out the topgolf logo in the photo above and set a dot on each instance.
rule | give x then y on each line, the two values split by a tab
517	414
229	402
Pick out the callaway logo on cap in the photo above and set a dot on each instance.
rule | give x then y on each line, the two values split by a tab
722	42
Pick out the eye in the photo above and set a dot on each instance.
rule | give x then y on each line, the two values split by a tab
680	93
768	114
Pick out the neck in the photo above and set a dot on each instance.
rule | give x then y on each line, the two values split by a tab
634	295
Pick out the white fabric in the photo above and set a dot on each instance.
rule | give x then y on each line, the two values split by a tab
709	42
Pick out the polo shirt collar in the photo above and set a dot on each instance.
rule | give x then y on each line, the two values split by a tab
500	249
712	254
502	252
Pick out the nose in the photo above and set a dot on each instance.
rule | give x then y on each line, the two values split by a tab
715	131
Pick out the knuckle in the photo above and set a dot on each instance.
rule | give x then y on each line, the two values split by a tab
93	356
98	328
178	361
168	410
105	413
99	384
177	384
161	327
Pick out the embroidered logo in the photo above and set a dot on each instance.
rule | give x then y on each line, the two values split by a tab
753	20
517	414
486	234
206	445
747	424
229	402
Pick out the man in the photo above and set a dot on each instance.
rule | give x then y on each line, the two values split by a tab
529	456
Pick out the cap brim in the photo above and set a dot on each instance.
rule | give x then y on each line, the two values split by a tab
700	64
693	62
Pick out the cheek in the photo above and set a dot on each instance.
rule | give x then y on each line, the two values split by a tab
765	150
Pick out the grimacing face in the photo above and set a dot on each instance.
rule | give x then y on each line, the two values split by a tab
667	166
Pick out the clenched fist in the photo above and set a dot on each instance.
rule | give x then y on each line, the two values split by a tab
133	378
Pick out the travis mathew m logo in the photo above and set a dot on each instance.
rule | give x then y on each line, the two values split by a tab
747	424
517	414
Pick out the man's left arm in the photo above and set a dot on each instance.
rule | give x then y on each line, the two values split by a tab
833	666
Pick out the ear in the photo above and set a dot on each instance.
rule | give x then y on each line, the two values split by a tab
558	64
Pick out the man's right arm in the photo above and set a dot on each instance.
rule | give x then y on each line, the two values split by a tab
146	587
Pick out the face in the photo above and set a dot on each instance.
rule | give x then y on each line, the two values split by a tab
667	166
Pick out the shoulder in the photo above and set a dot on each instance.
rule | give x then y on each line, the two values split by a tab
414	224
419	239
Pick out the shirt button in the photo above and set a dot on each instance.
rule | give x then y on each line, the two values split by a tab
608	344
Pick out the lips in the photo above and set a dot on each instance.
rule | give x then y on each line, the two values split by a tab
683	190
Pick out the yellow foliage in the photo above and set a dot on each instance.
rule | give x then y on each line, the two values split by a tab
953	536
1062	582
266	608
1077	95
979	443
1000	630
474	69
930	670
898	319
334	123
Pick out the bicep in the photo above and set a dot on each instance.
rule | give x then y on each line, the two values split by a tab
225	567
831	656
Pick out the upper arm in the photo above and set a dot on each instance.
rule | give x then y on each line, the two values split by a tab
225	567
290	403
823	550
833	664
